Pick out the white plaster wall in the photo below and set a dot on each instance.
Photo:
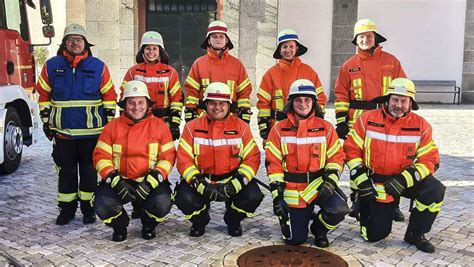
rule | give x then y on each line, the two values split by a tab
427	36
312	20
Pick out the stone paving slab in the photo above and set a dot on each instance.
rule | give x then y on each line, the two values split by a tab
28	211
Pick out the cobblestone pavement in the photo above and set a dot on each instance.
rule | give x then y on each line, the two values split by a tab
28	211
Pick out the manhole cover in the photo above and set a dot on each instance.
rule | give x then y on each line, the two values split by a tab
283	255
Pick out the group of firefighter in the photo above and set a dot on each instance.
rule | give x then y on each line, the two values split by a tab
387	148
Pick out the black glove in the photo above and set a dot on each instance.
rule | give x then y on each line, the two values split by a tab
190	113
151	181
402	181
244	114
234	185
213	192
263	127
174	128
327	188
342	130
367	191
123	189
280	207
174	122
110	113
50	134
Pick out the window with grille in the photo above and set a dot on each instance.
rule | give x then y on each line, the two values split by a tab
181	6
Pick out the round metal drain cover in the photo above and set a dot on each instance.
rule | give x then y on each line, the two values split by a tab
283	255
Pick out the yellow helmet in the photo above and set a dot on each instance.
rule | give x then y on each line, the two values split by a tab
289	35
152	38
217	91
133	89
399	86
217	26
367	25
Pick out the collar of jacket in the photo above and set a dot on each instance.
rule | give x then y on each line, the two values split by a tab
131	122
74	60
366	55
391	118
289	66
213	54
302	122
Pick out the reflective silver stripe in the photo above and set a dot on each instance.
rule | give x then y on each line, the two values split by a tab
303	140
394	138
217	142
151	79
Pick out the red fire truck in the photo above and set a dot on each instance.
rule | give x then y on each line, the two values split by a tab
19	114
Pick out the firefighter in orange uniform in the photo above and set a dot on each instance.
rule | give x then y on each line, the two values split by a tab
76	98
304	163
161	79
276	82
217	159
134	156
391	153
218	65
362	77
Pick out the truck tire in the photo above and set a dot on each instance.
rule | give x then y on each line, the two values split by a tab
12	142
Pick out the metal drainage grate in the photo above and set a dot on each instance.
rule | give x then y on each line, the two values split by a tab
284	255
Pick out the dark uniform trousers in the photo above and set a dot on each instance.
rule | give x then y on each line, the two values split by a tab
196	206
330	214
109	207
376	218
69	155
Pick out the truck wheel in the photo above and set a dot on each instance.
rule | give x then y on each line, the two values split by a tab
12	143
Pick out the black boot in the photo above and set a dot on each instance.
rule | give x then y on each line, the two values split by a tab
419	241
88	218
321	241
119	235
398	214
64	218
197	230
148	233
234	230
354	209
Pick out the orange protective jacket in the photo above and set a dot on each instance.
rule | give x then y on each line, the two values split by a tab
209	68
162	81
275	85
133	148
217	147
363	77
309	146
388	146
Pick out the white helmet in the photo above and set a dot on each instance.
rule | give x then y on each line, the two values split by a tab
75	28
217	26
289	35
152	38
217	91
132	89
299	88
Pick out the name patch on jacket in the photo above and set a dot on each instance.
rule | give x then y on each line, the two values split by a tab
162	71
376	124
59	70
277	97
354	69
416	129
88	71
140	70
314	130
231	132
201	131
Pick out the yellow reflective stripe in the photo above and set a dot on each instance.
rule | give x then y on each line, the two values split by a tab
191	100
323	109
367	151
408	178
360	179
56	114
363	232
175	88
247	171
97	116
79	132
334	149
243	103
334	177
279	100
359	142
43	105
341	106
386	82
76	103
248	214
167	147
327	225
189	173
354	163
187	217
164	164
264	113
117	153
44	85
205	82
357	113
109	220
236	184
311	189
323	158
104	146
152	180
102	164
63	197
85	196
422	169
291	196
231	85
107	87
425	149
122	86
193	83
166	97
109	104
357	85
249	147
242	85
264	94
273	149
334	166
186	147
157	219
434	207
152	155
89	117
319	90
176	106
380	189
275	177
284	149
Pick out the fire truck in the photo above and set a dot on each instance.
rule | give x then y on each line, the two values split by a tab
19	113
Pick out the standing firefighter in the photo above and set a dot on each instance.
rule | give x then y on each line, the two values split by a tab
76	98
218	66
217	159
362	77
134	157
275	85
391	153
161	79
304	163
